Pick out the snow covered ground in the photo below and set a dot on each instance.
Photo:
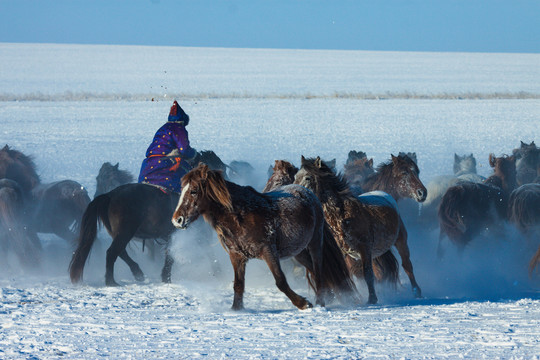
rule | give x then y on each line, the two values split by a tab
75	107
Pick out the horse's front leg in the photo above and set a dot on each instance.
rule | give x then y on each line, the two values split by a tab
167	266
367	263
238	262
272	260
403	250
133	266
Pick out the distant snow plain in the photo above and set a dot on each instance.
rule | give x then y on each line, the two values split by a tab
74	107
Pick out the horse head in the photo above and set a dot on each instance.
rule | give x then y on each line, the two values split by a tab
316	175
355	155
465	164
411	155
357	170
110	177
504	168
406	180
283	173
202	189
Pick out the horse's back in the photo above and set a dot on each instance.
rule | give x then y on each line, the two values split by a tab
378	198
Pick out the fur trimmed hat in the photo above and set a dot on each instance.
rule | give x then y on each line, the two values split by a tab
177	114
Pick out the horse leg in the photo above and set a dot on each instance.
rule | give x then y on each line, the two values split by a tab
369	277
306	259
238	262
167	267
403	250
272	260
133	266
118	246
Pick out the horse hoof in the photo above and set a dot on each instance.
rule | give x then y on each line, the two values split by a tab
372	300
140	277
306	305
417	293
111	283
237	307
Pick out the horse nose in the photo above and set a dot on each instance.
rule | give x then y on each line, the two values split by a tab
421	194
179	222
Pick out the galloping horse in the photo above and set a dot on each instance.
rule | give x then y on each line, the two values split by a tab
286	222
527	162
131	210
365	227
467	208
56	207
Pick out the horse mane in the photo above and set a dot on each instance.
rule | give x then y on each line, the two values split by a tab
282	174
382	177
11	159
122	176
335	181
214	188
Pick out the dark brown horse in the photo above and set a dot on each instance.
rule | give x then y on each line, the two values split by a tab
54	208
468	208
365	227
132	210
356	171
288	222
15	233
399	178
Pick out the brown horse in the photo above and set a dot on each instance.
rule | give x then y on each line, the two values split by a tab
283	223
283	173
356	171
398	177
468	208
365	227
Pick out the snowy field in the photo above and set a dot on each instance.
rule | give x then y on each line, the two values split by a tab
75	107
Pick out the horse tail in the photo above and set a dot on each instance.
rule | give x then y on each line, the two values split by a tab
81	200
87	235
386	268
336	276
534	262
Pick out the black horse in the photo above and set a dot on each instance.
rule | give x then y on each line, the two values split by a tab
131	210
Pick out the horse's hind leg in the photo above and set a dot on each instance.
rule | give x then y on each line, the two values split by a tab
403	250
117	247
238	262
272	260
369	276
133	266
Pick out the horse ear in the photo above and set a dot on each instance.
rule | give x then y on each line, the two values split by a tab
331	163
456	157
6	148
394	158
116	166
492	160
303	160
522	144
370	162
318	162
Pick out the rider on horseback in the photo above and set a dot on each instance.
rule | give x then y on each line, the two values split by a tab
169	156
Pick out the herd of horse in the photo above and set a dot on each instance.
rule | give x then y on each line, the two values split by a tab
338	225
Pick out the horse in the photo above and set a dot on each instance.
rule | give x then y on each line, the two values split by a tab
527	162
411	155
354	155
131	210
287	222
365	227
398	177
15	234
110	177
464	169
55	207
467	208
240	172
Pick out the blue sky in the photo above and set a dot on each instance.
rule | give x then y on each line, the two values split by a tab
436	25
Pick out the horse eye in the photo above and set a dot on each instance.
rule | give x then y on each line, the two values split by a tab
193	192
